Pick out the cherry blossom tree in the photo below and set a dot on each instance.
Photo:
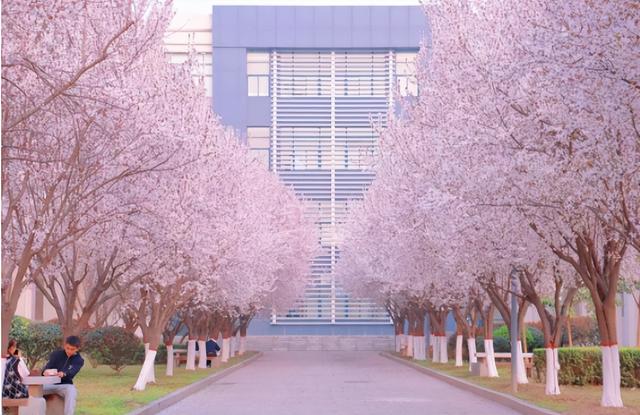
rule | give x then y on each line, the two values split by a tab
63	124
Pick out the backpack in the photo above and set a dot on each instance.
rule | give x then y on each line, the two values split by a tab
12	386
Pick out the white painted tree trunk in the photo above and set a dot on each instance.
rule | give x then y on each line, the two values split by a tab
492	370
552	386
398	343
169	360
191	355
202	354
226	349
611	396
444	353
471	345
409	339
435	349
146	372
432	342
243	345
151	376
522	372
403	344
459	341
419	348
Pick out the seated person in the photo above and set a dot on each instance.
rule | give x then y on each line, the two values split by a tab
14	371
67	362
212	348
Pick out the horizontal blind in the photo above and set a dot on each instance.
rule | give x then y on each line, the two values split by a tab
323	105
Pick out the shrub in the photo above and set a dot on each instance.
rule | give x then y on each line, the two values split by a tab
42	339
584	332
583	366
502	342
19	330
112	346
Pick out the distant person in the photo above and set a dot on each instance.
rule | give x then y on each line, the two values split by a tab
212	348
15	370
67	362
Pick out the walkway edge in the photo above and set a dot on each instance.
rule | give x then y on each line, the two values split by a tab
178	395
501	398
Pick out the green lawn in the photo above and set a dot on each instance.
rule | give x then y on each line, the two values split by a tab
101	391
573	400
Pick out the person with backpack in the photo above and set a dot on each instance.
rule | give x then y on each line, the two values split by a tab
15	370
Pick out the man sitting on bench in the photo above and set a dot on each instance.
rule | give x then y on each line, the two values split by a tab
67	362
212	349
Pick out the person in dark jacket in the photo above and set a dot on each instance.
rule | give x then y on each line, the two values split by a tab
68	363
212	348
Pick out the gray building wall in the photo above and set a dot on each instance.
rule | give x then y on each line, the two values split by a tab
237	29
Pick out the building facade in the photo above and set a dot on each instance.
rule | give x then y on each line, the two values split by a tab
304	86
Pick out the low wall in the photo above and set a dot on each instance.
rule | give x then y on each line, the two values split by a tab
328	343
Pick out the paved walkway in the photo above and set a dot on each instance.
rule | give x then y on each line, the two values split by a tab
336	383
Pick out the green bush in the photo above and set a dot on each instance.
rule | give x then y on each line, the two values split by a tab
502	342
42	339
19	329
112	346
583	366
584	332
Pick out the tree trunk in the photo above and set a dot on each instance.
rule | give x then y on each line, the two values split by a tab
191	354
522	372
398	331
227	332
569	331
409	340
419	343
147	373
151	376
169	371
243	340
471	345
202	349
552	386
459	341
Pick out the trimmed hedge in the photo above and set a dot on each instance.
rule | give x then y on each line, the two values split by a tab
112	346
583	366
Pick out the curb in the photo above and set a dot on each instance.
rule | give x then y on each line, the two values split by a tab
178	395
501	398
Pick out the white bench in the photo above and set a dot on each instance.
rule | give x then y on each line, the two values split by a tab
482	369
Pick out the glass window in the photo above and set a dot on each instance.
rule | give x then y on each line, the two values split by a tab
406	73
258	74
258	139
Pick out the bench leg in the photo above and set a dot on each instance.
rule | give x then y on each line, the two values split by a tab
36	406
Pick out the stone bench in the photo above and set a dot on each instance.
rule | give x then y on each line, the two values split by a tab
12	406
55	404
480	368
